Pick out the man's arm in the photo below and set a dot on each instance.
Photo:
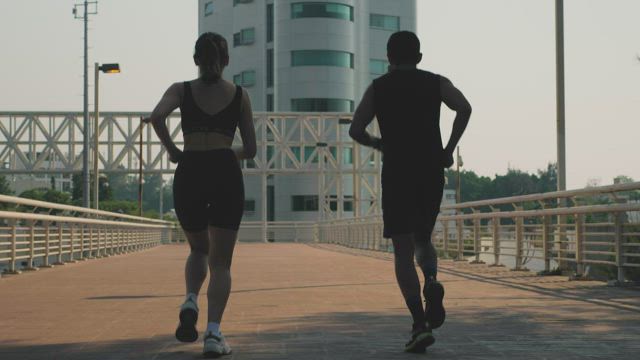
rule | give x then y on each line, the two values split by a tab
361	119
169	102
455	101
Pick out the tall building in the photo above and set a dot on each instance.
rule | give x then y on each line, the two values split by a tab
305	56
294	55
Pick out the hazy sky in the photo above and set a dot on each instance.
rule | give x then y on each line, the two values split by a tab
500	53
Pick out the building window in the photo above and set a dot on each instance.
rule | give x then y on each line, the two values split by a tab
347	204
244	37
322	105
347	156
322	58
270	69
384	22
378	67
321	10
269	22
304	203
245	78
208	8
269	102
236	2
249	206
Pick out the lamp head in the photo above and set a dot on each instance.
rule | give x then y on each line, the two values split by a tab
110	68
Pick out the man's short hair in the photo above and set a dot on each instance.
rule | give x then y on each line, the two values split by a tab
403	47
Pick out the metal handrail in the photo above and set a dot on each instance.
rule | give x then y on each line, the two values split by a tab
38	239
580	234
55	206
591	191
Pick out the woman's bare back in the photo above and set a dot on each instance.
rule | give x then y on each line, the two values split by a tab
211	99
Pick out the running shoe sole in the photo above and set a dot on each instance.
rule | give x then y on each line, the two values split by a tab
434	312
186	331
214	355
420	344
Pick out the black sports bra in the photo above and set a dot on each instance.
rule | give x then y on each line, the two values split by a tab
195	119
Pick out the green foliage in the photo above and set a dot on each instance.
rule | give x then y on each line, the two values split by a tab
125	187
120	206
513	183
5	189
48	195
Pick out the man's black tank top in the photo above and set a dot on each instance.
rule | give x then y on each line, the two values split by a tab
195	119
407	106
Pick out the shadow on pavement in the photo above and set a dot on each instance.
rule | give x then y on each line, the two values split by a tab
467	334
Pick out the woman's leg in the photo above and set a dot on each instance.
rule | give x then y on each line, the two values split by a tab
221	245
196	268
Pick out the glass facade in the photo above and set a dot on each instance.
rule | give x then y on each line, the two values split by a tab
378	67
304	203
322	105
322	58
384	22
245	78
236	2
270	68
270	106
244	37
347	204
208	8
321	10
269	22
249	205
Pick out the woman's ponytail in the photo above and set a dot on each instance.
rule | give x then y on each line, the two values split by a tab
212	55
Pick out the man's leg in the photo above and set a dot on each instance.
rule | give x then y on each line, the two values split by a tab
427	259
426	255
407	277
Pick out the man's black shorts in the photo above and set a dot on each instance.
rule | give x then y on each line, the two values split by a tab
410	199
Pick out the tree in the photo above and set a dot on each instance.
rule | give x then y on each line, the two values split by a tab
76	190
548	178
48	195
5	189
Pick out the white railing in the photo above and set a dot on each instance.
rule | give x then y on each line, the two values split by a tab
558	227
42	234
278	231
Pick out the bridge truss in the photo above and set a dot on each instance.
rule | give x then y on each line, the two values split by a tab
289	144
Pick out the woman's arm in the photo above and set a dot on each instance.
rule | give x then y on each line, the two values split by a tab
247	130
169	102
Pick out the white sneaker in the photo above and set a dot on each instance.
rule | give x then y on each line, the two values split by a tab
186	331
215	346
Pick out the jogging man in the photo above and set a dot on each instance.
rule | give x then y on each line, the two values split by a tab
406	102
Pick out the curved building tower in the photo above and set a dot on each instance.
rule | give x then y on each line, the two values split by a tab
305	56
295	55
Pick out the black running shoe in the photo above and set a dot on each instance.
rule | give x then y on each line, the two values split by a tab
434	309
186	331
420	340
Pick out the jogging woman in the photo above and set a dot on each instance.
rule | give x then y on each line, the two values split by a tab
208	188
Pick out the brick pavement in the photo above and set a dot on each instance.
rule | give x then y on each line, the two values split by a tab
293	301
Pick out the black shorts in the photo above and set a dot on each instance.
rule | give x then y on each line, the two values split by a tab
208	189
411	200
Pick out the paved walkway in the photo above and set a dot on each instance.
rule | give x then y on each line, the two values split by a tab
293	301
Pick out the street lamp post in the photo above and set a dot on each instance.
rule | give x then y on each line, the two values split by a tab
85	125
140	180
560	113
108	69
458	185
